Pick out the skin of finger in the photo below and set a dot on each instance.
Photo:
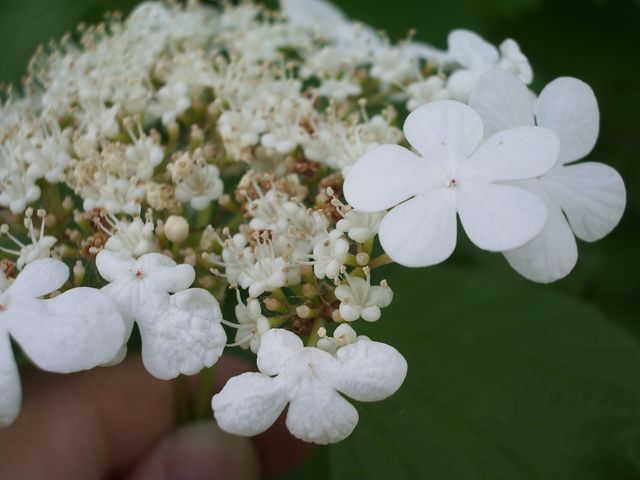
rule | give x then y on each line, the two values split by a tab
200	451
85	425
81	426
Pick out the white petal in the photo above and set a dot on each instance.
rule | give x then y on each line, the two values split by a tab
568	107
319	414
276	347
503	101
551	255
39	278
10	389
164	275
500	217
112	265
182	334
428	52
470	49
461	82
421	231
370	371
76	330
249	403
592	196
516	154
384	177
443	131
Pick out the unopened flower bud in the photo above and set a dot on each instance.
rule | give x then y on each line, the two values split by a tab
176	228
78	273
309	290
303	311
345	335
362	259
272	304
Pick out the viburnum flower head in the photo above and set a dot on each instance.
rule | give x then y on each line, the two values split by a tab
76	330
455	172
584	199
180	326
310	380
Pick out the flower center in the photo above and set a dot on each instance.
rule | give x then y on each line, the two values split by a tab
452	183
138	274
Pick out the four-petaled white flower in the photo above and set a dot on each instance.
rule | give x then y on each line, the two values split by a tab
181	332
76	330
310	380
584	199
358	298
456	173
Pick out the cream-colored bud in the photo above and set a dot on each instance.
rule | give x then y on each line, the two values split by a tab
303	311
78	273
272	304
362	259
345	334
176	228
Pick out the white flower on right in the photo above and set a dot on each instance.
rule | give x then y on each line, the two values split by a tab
584	199
310	380
455	173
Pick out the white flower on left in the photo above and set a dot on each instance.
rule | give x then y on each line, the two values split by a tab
76	330
180	326
455	173
310	380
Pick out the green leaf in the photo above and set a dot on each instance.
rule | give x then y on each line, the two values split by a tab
507	380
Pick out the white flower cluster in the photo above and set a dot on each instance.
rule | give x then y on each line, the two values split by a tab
237	131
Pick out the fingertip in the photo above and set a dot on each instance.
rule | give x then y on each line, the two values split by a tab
199	451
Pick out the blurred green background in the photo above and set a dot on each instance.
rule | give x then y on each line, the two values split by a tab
508	380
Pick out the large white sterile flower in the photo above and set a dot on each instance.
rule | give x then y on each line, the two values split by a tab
584	199
76	330
181	332
476	56
310	380
455	173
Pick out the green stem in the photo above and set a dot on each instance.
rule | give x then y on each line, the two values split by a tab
278	321
175	250
314	337
206	383
368	246
379	261
204	216
280	296
351	261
